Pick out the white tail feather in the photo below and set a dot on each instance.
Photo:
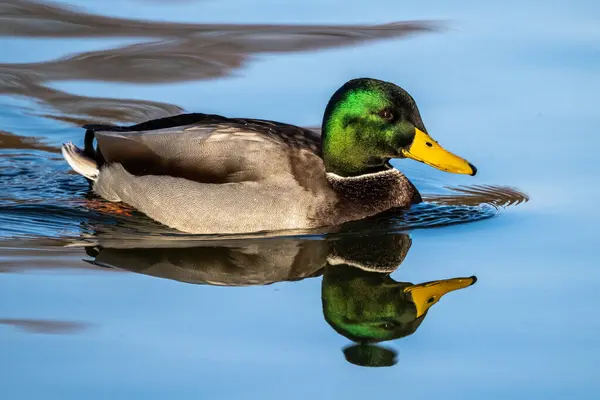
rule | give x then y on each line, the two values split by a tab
79	161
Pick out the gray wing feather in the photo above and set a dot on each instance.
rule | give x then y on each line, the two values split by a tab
209	153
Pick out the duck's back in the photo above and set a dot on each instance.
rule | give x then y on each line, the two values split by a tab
210	148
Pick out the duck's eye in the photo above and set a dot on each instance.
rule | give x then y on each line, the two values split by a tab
387	326
386	114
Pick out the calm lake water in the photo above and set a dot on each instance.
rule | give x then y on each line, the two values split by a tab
100	304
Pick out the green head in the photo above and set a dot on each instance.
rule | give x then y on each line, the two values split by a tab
368	121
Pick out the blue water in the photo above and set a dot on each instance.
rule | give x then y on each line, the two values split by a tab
511	86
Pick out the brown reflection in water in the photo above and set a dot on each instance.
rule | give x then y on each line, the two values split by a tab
42	255
89	109
45	326
177	52
12	141
46	19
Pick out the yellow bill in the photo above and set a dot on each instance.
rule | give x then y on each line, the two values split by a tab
426	294
428	151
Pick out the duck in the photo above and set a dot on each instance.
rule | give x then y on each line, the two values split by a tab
209	174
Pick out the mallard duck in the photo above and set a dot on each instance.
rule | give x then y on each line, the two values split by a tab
207	174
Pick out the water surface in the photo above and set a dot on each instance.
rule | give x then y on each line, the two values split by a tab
98	301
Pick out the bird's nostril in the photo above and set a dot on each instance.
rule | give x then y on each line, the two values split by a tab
428	144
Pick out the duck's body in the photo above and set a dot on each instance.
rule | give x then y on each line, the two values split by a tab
202	173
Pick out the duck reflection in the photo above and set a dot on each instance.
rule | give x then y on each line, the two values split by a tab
360	300
368	307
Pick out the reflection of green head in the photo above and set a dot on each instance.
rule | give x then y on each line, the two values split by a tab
365	306
371	307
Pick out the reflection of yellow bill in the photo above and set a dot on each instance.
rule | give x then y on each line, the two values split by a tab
427	150
427	294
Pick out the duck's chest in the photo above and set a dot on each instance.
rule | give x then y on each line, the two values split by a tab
367	195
